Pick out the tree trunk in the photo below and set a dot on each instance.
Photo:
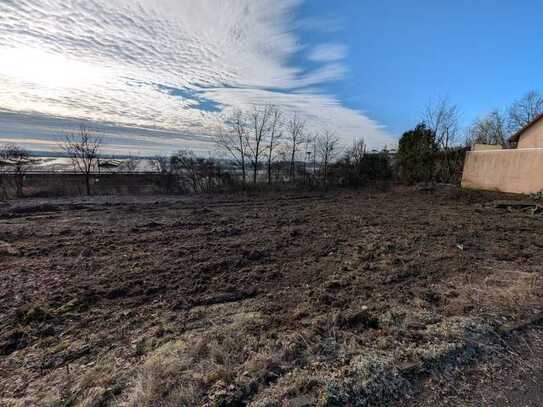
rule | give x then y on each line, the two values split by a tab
87	183
269	165
292	170
243	176
19	188
19	180
255	170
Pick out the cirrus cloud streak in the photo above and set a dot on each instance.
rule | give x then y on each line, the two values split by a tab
174	65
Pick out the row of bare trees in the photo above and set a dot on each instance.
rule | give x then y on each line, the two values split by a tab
500	124
496	127
255	140
264	134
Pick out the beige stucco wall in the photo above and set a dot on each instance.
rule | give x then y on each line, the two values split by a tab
486	147
532	137
517	171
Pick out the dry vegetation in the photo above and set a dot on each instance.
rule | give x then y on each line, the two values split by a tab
296	300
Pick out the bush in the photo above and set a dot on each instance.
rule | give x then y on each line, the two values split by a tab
449	165
417	155
357	168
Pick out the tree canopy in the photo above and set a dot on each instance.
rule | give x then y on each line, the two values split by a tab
416	154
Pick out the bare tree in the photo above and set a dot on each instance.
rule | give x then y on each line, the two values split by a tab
274	138
295	138
314	140
233	140
83	149
327	146
356	153
17	160
489	130
259	121
309	147
524	110
442	119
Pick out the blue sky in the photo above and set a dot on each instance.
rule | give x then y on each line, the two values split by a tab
158	75
481	54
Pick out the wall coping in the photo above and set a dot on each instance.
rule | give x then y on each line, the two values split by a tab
506	150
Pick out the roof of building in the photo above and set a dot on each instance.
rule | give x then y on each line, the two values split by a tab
515	137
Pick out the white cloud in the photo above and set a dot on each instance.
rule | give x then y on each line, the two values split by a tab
328	52
171	64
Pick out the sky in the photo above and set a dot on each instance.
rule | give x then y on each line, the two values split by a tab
154	76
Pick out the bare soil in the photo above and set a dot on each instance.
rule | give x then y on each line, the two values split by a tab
347	298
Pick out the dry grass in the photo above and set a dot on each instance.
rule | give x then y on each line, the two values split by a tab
501	288
184	372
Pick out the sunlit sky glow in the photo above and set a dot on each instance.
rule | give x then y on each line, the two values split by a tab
158	75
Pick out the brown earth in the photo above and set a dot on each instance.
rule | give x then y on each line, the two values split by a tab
350	298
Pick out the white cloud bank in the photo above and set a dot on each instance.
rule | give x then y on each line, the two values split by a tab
169	64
